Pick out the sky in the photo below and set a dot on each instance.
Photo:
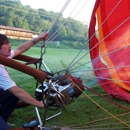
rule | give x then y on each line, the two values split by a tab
57	5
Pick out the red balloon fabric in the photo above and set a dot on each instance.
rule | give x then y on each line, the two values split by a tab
109	46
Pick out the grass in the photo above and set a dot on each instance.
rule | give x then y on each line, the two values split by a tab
86	112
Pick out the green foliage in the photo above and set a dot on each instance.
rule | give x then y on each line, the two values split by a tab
16	42
13	13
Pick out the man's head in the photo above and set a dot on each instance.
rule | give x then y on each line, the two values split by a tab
5	47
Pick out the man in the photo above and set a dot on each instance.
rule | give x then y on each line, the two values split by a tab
10	93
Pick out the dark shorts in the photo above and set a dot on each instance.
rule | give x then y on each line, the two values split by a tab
8	103
3	124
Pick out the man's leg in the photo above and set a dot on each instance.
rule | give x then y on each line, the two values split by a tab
3	124
8	103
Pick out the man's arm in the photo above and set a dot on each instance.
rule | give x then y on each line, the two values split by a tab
25	97
27	45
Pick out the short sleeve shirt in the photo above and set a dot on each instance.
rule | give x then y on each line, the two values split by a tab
5	81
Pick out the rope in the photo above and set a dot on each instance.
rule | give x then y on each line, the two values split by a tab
97	30
101	95
70	65
112	52
99	125
74	80
64	22
94	121
63	8
99	42
61	26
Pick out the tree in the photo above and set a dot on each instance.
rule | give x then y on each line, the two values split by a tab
13	13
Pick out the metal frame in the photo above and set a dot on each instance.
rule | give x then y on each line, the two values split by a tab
42	123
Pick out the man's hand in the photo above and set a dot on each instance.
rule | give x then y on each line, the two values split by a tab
43	36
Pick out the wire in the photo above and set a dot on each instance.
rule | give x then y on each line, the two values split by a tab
63	8
70	65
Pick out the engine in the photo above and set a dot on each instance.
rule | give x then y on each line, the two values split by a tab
60	92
